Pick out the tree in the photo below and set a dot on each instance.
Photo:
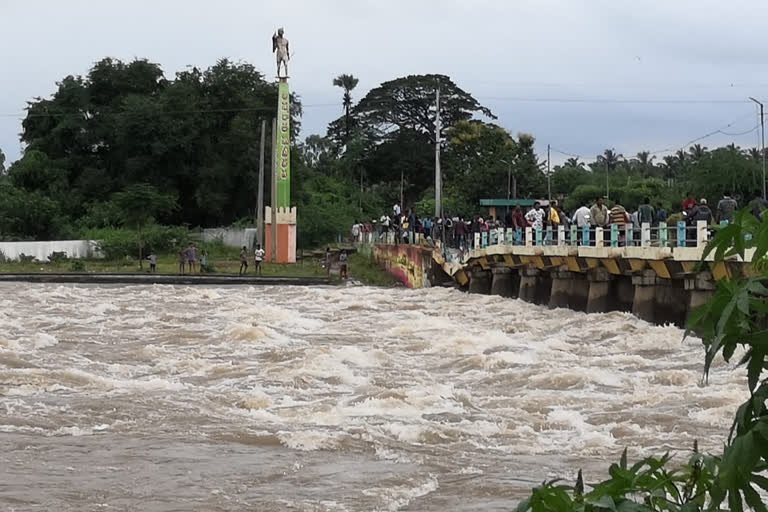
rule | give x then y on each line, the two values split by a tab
2	162
643	162
348	83
138	205
697	152
574	163
609	159
408	103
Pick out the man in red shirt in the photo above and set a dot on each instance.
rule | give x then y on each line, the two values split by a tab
689	202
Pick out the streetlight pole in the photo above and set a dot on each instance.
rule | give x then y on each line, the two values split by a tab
762	132
549	181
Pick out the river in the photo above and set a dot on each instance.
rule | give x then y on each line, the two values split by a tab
349	398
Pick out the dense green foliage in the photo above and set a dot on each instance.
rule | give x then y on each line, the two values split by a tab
736	317
194	139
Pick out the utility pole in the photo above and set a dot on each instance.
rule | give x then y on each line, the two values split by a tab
438	176
509	174
607	186
762	136
260	197
402	206
549	182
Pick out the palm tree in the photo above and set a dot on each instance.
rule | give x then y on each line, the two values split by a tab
610	159
644	161
754	154
697	152
574	162
346	82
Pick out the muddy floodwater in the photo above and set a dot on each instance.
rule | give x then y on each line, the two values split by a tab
172	398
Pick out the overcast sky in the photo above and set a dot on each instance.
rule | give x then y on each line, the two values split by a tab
581	75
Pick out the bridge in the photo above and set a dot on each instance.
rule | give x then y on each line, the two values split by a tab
656	273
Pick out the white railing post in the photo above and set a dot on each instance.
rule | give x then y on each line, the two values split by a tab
599	237
560	235
701	233
645	234
528	237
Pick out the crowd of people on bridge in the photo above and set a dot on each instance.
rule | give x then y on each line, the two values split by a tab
458	231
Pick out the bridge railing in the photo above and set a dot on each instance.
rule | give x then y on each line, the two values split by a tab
663	235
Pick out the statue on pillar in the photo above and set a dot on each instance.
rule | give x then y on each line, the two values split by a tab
280	49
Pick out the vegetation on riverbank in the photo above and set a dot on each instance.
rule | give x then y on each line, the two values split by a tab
736	316
363	268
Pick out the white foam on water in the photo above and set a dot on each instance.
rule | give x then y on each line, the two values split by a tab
399	497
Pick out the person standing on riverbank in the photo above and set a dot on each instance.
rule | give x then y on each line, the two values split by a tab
191	257
182	255
258	257
243	261
343	265
152	261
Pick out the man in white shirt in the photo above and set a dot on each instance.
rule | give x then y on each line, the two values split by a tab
581	216
396	210
258	257
356	232
535	217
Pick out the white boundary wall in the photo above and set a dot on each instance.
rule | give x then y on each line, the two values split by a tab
232	237
75	249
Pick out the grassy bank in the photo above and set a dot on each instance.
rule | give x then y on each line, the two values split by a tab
364	269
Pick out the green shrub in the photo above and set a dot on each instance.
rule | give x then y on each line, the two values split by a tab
77	266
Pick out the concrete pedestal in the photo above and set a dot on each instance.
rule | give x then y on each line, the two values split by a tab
644	303
480	282
579	293
285	250
504	282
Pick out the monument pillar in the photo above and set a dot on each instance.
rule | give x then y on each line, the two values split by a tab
280	238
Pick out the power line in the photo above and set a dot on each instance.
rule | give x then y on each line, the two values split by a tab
520	99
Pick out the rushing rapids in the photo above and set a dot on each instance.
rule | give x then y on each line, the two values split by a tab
161	398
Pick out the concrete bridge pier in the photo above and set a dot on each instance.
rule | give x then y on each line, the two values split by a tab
561	289
505	282
671	302
480	281
569	290
579	292
535	285
701	287
600	298
644	302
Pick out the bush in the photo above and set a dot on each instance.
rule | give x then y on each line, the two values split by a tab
23	258
116	243
3	258
58	257
77	266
